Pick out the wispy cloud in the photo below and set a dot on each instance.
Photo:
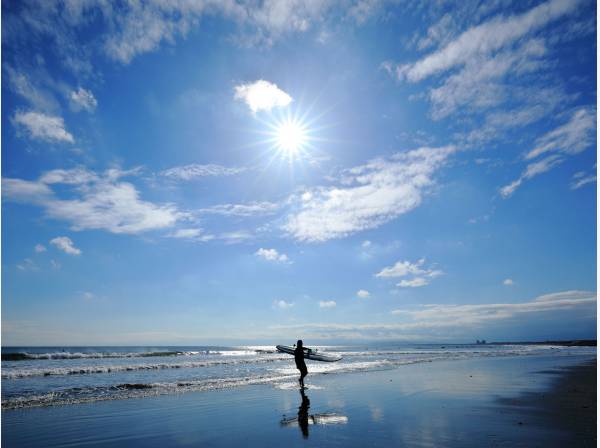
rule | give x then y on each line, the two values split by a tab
367	196
65	244
194	170
433	321
93	202
27	265
578	183
249	209
272	255
262	95
508	282
573	137
43	127
486	39
532	170
82	99
40	248
192	234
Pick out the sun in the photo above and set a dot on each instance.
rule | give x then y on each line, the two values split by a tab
290	136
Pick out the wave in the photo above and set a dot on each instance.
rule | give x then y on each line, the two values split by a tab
26	356
90	370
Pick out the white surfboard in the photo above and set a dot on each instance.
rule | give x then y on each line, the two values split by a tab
310	353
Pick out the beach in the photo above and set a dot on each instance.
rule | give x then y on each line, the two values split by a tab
542	400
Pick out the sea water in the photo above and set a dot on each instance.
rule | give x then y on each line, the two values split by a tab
46	376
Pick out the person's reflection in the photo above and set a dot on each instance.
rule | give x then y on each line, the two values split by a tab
303	414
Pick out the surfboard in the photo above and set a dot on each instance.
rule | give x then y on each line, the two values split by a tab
317	419
313	354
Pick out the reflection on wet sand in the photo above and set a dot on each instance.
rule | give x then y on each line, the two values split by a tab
304	419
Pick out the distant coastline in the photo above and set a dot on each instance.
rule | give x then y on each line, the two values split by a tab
572	343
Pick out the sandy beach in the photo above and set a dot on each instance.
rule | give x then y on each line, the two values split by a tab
511	401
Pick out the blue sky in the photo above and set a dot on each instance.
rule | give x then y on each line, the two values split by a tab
219	172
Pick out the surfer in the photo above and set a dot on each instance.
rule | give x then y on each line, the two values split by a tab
300	364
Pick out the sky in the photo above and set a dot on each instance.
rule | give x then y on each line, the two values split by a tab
238	171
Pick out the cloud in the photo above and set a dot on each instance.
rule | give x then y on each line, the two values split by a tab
434	321
508	282
453	315
413	283
40	248
93	201
194	170
485	39
87	295
262	95
575	136
250	209
43	127
583	181
421	276
27	265
327	304
65	244
532	170
282	304
367	196
272	255
193	234
363	294
82	99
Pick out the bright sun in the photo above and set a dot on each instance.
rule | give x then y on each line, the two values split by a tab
290	137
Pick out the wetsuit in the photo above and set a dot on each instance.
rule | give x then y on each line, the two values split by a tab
300	364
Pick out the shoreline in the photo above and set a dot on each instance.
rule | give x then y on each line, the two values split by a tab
467	403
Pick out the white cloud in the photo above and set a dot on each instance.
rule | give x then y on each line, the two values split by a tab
193	234
82	99
262	95
194	170
583	181
573	137
365	244
282	304
508	282
327	304
485	39
363	294
578	134
413	283
93	201
532	170
272	255
369	195
27	265
87	295
65	244
434	321
43	127
421	275
250	209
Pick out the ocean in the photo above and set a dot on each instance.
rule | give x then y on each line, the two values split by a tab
49	376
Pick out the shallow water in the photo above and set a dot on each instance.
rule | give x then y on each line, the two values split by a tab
45	376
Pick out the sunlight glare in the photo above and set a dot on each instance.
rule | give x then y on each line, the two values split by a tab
290	137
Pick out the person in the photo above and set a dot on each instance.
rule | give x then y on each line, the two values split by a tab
300	364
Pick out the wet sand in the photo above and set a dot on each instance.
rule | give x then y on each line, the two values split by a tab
515	401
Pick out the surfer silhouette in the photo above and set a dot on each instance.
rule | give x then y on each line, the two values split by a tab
303	414
300	364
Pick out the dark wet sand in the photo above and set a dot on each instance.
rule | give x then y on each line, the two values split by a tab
542	401
569	403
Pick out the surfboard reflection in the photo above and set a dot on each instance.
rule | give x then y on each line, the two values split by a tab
304	418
